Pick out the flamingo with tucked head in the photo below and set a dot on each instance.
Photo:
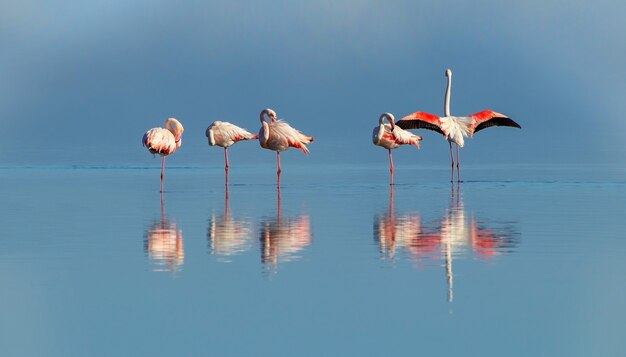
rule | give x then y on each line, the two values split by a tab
279	136
391	136
164	141
453	128
225	134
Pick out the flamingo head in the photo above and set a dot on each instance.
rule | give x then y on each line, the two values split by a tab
390	119
270	113
448	73
175	127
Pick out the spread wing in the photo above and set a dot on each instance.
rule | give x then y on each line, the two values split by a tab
421	120
488	118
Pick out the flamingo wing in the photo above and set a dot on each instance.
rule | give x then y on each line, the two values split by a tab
404	137
160	141
283	136
421	120
487	118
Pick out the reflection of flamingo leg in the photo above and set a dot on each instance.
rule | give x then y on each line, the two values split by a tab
449	273
162	210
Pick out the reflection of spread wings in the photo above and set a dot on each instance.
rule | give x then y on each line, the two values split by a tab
282	238
164	244
488	242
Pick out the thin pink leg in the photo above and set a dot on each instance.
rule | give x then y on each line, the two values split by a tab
226	166
226	159
458	164
391	168
279	169
162	172
452	164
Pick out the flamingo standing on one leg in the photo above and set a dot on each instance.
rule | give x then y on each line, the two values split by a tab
390	137
164	141
279	136
225	134
455	128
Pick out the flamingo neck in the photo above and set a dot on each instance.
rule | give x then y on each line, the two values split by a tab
389	118
270	114
446	108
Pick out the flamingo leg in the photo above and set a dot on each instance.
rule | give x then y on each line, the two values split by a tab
226	166
452	164
279	169
162	172
226	159
458	164
391	168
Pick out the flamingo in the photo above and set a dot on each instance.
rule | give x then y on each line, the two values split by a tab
391	137
225	134
279	136
164	141
455	128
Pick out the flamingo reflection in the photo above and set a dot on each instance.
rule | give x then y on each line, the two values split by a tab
163	242
393	232
455	234
228	236
283	237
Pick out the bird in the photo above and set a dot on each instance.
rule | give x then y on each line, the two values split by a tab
454	128
225	134
164	141
389	136
279	136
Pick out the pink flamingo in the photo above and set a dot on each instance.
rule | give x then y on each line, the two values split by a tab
279	136
164	141
455	128
225	134
390	137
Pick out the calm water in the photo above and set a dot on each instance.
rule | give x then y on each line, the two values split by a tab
513	261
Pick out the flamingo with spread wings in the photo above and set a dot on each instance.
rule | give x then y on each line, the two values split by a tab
453	128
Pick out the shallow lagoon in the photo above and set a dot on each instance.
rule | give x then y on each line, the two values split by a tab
513	261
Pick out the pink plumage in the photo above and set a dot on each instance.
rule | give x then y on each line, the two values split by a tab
279	136
391	137
454	128
164	141
225	134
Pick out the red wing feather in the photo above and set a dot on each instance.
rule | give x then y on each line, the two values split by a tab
488	118
421	120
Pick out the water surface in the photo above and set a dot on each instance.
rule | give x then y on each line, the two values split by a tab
513	261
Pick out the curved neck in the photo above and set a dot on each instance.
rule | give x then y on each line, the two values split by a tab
446	108
389	118
175	128
262	116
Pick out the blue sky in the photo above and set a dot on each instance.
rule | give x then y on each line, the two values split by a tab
82	81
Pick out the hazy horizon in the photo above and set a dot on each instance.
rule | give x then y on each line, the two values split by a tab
83	82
